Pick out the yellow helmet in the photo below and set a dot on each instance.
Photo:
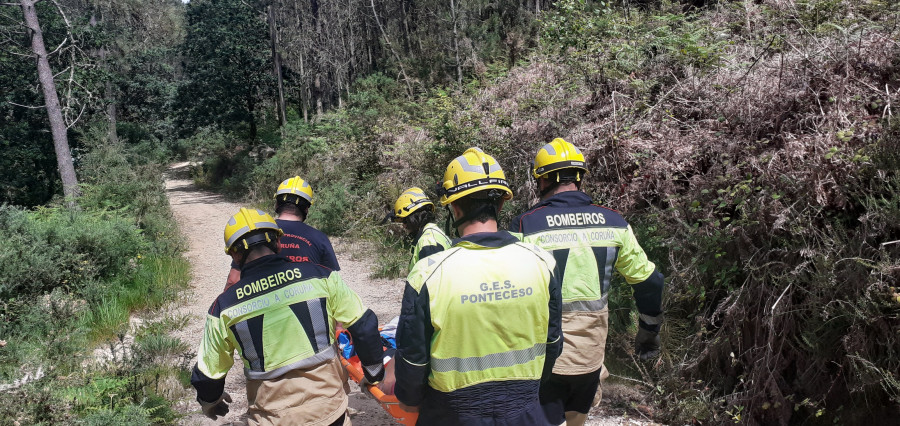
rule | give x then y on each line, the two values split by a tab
558	155
247	221
472	172
409	201
294	186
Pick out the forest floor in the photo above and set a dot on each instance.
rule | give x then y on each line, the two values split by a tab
201	216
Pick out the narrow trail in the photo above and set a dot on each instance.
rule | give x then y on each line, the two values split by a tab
201	216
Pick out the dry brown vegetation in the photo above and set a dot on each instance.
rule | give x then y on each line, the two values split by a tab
760	170
754	146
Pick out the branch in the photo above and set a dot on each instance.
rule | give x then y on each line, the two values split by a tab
391	47
26	106
65	39
66	69
19	54
76	118
65	19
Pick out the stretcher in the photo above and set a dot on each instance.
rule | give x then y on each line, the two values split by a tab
389	403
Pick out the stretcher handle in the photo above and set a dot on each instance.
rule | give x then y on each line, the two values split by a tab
357	376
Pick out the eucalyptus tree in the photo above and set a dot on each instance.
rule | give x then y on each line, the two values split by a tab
45	77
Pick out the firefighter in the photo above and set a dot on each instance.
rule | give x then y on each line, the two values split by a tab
588	241
479	322
416	212
280	316
301	242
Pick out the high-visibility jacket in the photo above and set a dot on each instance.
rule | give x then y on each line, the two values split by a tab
430	241
479	327
281	316
588	242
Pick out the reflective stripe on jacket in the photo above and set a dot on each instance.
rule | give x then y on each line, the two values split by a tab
487	310
280	317
588	243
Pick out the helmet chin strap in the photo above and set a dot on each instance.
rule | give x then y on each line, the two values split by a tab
243	259
545	191
448	222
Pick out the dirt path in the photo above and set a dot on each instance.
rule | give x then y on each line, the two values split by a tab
201	217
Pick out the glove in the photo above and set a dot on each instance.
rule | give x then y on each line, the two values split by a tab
216	409
646	344
364	387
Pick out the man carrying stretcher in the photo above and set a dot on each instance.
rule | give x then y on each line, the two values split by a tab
480	322
281	317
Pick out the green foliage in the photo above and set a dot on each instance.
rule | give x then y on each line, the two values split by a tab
605	43
330	212
220	156
228	67
57	248
70	278
136	71
394	250
28	170
742	141
131	415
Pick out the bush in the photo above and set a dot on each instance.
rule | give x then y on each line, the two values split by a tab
58	248
750	144
113	180
70	278
219	156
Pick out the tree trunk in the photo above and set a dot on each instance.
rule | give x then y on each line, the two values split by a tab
387	41
352	53
51	100
455	17
250	109
304	91
111	113
318	86
407	46
340	85
307	105
276	63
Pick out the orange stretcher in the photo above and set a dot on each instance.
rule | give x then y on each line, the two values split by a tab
389	403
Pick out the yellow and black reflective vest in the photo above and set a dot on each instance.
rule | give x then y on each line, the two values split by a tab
589	243
430	241
281	318
481	315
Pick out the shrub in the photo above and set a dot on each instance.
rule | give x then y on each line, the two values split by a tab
70	278
58	248
751	146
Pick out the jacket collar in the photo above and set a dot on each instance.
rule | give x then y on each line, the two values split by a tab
566	199
429	225
486	240
251	268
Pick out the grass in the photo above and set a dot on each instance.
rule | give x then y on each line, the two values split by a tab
156	282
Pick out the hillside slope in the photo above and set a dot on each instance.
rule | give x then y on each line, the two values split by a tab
751	144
